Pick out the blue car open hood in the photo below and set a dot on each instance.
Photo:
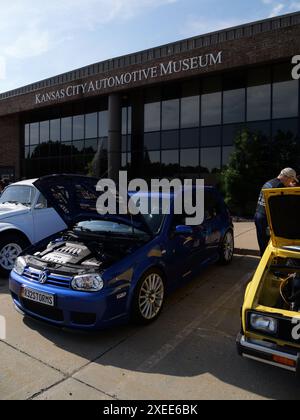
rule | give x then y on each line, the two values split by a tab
74	197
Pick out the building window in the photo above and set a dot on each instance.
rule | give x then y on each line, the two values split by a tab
231	132
55	130
103	124
190	112
170	163
211	159
234	106
189	138
189	160
34	133
78	127
211	109
152	117
226	155
259	94
170	114
27	135
152	141
211	136
288	128
285	99
66	129
170	139
91	126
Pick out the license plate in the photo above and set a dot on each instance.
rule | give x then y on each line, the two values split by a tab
38	297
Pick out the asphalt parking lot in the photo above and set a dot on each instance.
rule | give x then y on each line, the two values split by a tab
189	353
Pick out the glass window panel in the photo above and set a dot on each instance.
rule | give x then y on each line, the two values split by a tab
211	136
262	128
103	143
234	106
230	133
170	139
170	163
152	116
259	103
91	126
124	160
78	146
170	114
189	158
27	134
211	159
27	153
152	141
129	125
152	164
124	121
103	124
42	150
285	99
190	110
211	109
66	148
124	143
91	146
227	153
189	138
55	130
34	133
288	127
54	149
66	129
78	127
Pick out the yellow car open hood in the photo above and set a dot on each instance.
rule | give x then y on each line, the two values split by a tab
283	212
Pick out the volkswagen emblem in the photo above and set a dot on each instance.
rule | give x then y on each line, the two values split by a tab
43	277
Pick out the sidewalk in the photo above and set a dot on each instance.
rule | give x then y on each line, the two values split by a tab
245	239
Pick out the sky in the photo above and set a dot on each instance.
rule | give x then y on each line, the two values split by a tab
42	39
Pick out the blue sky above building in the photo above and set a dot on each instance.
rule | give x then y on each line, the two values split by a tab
39	40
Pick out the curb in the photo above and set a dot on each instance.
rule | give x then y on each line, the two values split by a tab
251	252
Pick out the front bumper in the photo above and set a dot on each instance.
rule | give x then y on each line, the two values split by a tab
268	353
74	310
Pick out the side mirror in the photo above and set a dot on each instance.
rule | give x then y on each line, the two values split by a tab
184	230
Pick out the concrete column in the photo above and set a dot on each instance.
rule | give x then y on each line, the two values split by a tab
114	136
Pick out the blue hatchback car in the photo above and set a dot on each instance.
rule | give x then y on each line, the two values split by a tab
107	270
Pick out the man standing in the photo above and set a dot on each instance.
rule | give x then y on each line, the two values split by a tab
287	178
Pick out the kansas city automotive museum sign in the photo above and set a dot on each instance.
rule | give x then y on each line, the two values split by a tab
159	71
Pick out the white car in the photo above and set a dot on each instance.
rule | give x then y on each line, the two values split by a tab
25	219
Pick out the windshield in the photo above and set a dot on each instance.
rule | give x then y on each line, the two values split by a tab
17	195
105	226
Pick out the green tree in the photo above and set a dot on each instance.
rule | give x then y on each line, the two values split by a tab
255	161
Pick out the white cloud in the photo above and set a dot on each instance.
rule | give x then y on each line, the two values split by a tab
41	27
278	8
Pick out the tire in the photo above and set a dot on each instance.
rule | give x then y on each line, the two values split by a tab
11	246
147	307
227	248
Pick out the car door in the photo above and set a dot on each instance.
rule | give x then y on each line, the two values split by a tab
212	225
180	251
45	219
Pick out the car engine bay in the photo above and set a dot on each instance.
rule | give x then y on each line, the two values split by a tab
281	285
83	252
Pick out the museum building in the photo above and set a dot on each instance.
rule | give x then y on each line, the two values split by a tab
170	111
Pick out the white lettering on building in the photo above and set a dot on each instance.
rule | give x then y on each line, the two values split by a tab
110	82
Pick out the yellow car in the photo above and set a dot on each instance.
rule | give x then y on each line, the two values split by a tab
271	311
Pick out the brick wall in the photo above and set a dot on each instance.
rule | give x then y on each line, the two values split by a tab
9	142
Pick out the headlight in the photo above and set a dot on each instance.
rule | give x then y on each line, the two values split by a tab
88	283
263	323
19	266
